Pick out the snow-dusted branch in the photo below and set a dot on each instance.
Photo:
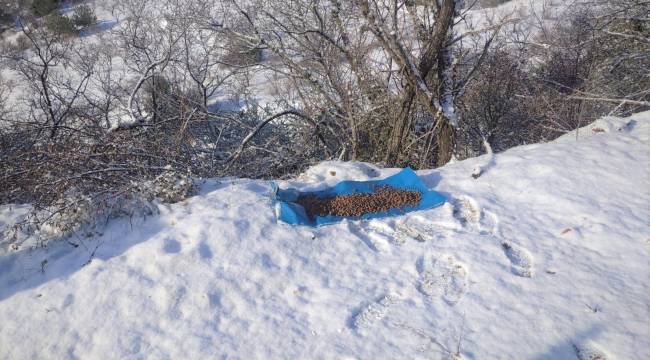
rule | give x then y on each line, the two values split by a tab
235	155
148	73
618	101
488	163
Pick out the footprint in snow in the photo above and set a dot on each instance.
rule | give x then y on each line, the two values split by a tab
374	241
382	235
205	252
443	276
489	224
68	301
420	229
175	303
379	241
171	246
404	231
520	259
373	312
590	351
467	211
397	235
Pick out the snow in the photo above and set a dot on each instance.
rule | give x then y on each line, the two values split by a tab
544	256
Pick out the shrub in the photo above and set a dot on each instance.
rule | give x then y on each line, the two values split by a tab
84	16
5	19
43	7
240	53
75	185
492	111
490	3
172	186
60	25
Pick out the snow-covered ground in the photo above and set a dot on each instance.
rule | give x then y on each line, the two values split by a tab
545	256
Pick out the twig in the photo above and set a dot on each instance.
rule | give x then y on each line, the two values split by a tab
627	101
261	125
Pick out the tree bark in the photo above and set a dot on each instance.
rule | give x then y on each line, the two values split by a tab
445	142
400	124
399	129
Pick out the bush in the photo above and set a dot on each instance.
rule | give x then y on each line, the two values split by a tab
75	185
240	53
60	25
43	7
172	186
84	16
5	20
492	111
490	3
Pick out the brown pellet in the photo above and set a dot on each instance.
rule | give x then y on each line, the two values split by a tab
384	198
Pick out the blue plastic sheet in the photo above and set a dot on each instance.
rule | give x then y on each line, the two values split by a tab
407	179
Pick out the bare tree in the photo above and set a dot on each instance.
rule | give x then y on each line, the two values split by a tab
350	76
434	49
56	74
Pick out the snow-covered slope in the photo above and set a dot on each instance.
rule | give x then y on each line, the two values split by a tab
545	256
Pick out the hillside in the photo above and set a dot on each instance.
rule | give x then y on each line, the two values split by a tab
542	257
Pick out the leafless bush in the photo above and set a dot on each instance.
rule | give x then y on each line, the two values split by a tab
568	74
385	86
90	141
592	66
84	16
497	112
240	52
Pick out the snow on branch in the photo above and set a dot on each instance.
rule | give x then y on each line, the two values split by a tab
262	124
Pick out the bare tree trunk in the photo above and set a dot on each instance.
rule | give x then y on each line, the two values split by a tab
398	129
445	138
445	141
434	49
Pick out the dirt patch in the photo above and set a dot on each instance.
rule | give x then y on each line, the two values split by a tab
384	198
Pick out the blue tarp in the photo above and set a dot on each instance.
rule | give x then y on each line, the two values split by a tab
407	179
